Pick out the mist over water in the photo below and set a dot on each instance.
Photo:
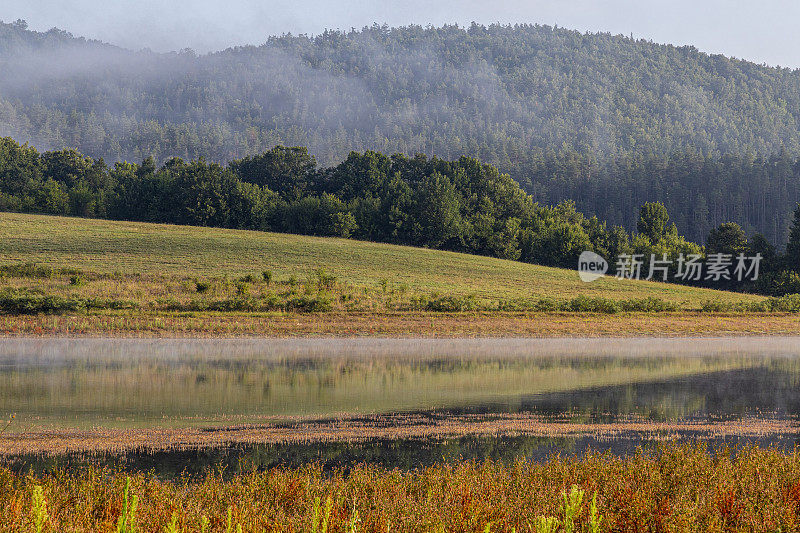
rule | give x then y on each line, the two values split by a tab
80	385
141	383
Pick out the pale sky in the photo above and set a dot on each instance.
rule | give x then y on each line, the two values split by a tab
764	31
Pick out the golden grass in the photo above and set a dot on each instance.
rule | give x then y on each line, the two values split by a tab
386	324
677	489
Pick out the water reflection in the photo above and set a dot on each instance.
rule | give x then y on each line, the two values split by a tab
136	383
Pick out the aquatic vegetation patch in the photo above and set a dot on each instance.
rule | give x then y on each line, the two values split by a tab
364	429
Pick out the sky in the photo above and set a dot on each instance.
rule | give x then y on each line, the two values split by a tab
764	31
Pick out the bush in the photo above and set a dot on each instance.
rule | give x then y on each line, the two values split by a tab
303	304
586	304
267	276
787	304
76	280
544	305
715	306
27	270
202	286
242	289
309	304
20	302
17	303
418	302
756	307
325	281
249	278
648	305
101	303
517	304
452	304
237	304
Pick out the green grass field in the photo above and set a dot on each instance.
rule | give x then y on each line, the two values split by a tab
182	251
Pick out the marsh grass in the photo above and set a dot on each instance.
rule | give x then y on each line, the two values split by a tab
417	324
675	488
321	519
126	523
38	509
8	424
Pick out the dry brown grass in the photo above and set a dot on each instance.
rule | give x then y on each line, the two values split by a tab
479	324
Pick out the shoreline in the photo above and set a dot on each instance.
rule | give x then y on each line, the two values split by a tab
355	429
401	325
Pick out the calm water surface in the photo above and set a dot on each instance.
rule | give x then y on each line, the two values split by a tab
130	383
82	383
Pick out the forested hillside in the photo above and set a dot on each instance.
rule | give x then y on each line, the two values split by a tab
700	192
608	121
461	205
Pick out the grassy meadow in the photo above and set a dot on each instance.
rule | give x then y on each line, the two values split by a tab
183	252
95	277
675	489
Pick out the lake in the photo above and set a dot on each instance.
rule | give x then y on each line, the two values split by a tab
401	402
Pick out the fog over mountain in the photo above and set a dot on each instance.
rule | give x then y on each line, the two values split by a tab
552	107
495	92
763	32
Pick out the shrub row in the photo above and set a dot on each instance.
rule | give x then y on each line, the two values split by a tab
35	270
781	304
302	304
589	304
21	302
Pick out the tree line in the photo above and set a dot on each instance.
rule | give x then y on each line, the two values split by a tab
700	191
463	205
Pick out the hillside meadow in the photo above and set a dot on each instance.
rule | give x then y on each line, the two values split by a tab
183	251
86	276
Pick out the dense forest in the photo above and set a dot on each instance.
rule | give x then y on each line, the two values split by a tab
462	205
700	192
607	121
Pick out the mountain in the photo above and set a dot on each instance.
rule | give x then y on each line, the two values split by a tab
556	109
499	93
